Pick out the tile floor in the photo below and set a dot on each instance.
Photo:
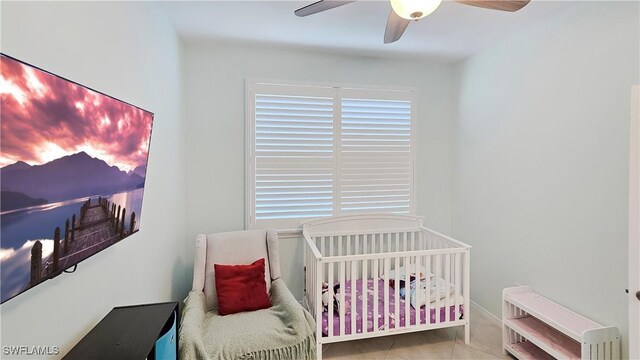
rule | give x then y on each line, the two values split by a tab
486	343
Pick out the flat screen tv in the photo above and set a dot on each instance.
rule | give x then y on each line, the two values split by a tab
72	172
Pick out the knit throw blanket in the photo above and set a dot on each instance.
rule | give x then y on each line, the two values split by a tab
284	331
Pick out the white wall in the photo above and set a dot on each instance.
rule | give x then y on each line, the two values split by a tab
536	161
541	160
130	51
215	103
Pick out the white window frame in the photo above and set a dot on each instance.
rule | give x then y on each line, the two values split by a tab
371	90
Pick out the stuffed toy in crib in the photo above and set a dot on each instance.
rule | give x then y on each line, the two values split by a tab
332	295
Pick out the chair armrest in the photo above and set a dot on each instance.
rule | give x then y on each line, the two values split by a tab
281	293
194	309
199	262
287	305
190	331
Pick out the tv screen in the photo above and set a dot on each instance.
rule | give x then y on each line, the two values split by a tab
73	163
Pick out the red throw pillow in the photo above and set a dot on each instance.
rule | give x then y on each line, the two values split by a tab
241	287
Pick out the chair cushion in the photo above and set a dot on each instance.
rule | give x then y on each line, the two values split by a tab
284	331
232	248
241	288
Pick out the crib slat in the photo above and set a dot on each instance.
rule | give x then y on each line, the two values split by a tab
456	277
340	245
307	278
341	307
323	250
376	324
404	241
419	318
465	285
365	247
365	297
312	278
330	282
447	281
438	273
385	298
311	269
354	299
384	241
315	279
407	291
397	249
427	265
332	239
381	240
348	238
317	300
413	240
396	299
310	273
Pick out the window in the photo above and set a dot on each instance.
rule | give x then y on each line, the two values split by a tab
318	151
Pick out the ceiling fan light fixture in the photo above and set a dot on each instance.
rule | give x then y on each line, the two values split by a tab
414	9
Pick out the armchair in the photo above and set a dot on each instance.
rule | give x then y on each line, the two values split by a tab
284	331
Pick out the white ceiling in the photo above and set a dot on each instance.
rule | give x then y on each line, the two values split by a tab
453	32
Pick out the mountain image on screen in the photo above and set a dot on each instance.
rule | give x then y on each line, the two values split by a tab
70	177
73	164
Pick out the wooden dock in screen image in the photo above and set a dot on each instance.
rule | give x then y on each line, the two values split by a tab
99	225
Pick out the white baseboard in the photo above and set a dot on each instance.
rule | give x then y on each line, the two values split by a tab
486	312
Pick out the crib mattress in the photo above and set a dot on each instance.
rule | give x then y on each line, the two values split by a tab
381	316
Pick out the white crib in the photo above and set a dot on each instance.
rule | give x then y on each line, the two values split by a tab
359	250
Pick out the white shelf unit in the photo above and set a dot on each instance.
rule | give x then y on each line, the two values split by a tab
534	327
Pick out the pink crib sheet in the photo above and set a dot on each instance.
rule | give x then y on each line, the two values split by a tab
381	315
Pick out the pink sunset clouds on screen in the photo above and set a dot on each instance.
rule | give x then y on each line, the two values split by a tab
44	117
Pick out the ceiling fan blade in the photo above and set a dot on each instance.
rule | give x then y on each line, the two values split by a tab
319	6
504	5
395	27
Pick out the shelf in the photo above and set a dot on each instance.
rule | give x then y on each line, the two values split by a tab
528	351
551	313
545	337
534	327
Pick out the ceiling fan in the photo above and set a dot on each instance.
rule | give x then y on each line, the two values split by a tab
404	11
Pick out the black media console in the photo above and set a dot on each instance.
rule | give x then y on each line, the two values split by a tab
132	332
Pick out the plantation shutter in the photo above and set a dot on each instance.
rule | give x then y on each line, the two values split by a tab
293	154
322	151
376	157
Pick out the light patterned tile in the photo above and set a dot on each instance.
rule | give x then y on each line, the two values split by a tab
392	356
486	343
432	344
368	349
464	352
486	334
